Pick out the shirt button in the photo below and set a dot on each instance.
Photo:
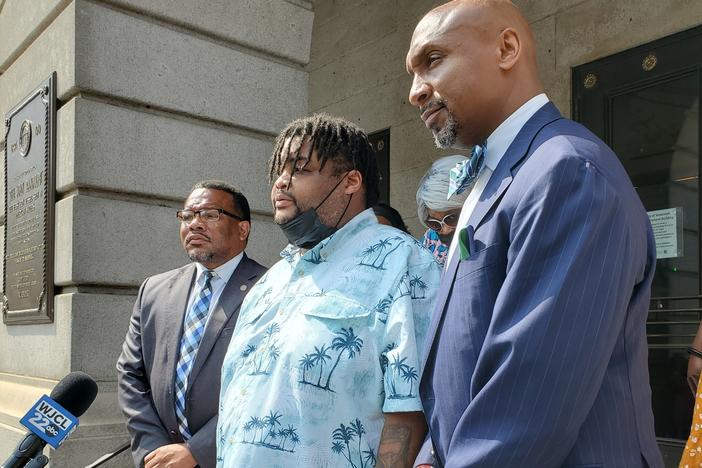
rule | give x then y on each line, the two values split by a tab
301	273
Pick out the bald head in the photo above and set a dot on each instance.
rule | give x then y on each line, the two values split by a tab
471	57
488	17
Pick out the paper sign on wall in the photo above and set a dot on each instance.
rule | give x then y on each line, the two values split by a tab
667	230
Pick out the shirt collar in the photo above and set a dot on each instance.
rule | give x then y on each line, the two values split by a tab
355	224
224	271
503	136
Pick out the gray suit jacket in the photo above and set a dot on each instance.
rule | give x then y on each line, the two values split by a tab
146	367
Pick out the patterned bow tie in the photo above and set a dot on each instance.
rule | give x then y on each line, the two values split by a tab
464	174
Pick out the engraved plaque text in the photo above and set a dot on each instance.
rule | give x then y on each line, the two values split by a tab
29	207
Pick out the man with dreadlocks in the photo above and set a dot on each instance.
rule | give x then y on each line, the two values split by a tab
322	369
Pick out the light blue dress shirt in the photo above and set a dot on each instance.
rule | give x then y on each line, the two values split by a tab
326	342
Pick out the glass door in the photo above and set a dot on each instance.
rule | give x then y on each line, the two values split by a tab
644	103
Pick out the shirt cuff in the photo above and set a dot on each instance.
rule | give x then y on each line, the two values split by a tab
398	405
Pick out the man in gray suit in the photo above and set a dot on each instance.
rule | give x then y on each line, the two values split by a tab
169	370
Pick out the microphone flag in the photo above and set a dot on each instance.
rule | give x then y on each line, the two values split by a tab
50	421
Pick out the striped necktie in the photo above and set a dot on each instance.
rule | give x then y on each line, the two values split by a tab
193	330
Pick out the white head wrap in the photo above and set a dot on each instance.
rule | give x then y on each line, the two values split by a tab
433	188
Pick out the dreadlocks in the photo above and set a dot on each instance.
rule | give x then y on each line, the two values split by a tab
333	139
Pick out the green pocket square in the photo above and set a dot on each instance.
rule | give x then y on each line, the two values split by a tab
463	246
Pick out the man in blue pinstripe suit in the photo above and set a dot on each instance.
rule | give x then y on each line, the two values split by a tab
537	354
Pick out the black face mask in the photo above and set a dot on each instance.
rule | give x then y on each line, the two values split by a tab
306	229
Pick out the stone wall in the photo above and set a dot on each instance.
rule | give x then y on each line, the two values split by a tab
154	95
357	64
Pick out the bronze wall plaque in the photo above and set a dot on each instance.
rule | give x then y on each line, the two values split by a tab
30	144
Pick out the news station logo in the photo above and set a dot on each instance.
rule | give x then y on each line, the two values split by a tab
50	421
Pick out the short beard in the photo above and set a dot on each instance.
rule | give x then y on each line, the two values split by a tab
279	219
201	257
446	136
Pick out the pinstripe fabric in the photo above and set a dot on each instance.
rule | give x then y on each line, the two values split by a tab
538	355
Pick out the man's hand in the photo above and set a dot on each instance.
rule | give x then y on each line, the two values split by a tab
401	439
170	456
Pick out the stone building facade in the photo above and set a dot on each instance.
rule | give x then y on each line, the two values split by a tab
155	95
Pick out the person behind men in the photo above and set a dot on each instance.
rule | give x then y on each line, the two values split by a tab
692	453
325	355
437	211
389	216
169	369
537	352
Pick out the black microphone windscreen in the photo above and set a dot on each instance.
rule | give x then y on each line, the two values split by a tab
75	392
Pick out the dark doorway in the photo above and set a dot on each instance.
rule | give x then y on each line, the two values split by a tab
645	103
380	141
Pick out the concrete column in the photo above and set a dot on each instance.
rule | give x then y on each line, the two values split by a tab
153	96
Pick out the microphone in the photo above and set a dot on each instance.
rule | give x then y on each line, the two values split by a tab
52	419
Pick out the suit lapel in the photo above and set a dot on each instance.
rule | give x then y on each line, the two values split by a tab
444	290
228	304
510	162
500	179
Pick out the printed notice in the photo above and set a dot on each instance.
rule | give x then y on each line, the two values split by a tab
667	230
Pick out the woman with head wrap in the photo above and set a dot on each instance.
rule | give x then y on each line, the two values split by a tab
437	213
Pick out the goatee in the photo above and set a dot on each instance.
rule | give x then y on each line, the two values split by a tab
446	137
280	219
201	257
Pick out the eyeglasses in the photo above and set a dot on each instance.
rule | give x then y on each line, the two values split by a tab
208	215
449	220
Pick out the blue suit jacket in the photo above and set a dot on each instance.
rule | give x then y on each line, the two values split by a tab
537	354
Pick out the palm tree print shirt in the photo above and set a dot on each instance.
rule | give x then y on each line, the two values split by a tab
326	342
